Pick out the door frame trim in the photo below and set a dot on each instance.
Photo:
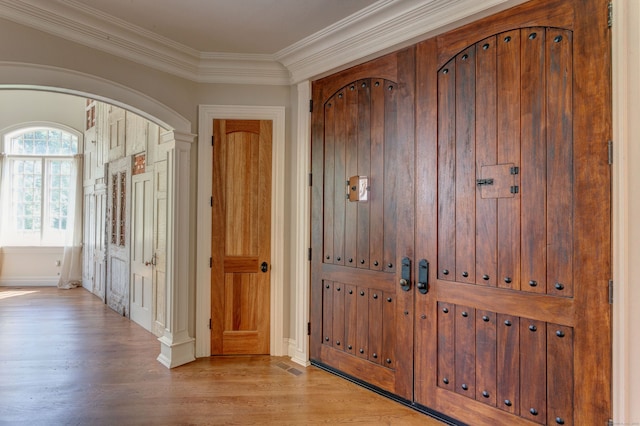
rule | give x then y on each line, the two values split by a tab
206	115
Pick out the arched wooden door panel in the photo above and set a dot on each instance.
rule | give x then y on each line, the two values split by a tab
511	115
363	142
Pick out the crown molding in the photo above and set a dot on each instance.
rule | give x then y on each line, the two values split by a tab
81	24
372	31
384	26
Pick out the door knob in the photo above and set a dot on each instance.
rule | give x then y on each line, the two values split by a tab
264	267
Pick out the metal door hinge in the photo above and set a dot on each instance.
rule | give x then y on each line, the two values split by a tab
212	140
210	262
211	201
308	329
309	254
610	151
514	189
610	14
310	105
209	323
310	179
611	292
610	422
514	170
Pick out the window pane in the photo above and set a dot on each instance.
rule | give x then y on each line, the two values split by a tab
25	204
58	193
40	185
41	146
44	141
28	146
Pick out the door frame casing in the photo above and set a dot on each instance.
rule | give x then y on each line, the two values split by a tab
206	115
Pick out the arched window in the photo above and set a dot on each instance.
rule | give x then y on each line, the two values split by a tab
38	186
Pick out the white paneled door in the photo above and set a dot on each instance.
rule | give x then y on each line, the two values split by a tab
142	253
118	223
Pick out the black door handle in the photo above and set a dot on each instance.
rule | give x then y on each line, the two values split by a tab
264	267
423	276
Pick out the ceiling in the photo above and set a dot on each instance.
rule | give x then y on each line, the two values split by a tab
275	42
231	26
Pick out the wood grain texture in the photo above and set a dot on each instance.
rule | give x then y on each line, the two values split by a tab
560	373
486	224
340	177
534	161
486	363
393	164
508	139
241	237
338	316
559	163
364	169
465	154
327	186
465	350
426	242
350	319
592	208
508	336
446	171
376	240
351	169
533	370
100	368
446	346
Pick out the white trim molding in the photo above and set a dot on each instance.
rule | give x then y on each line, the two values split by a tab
626	208
13	76
30	282
177	347
206	115
299	343
380	28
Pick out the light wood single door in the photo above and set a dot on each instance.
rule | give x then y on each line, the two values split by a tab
241	235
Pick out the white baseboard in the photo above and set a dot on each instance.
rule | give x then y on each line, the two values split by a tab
29	281
296	356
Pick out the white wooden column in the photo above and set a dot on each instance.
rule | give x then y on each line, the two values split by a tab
299	352
177	347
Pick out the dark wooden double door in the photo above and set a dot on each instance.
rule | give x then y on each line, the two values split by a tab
461	219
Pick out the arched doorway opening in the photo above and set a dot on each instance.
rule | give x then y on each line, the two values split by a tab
176	344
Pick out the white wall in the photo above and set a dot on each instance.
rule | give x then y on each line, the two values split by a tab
30	266
19	106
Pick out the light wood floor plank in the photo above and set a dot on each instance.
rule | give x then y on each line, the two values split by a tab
67	359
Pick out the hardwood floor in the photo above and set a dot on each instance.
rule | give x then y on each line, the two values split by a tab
67	359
